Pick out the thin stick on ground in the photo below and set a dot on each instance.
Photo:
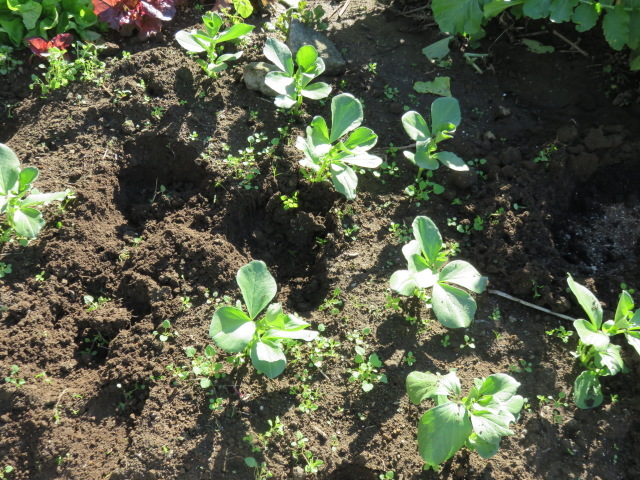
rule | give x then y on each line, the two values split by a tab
572	44
531	305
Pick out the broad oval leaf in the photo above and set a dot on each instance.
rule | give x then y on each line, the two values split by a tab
284	101
623	310
274	316
587	392
425	278
279	54
452	161
410	251
590	335
257	285
27	222
363	160
293	322
316	91
449	385
500	386
428	237
189	42
464	274
38	198
306	56
444	111
361	140
416	126
237	31
9	169
27	176
633	338
442	431
231	329
423	157
491	426
609	359
453	307
484	449
279	82
587	301
344	179
403	282
346	115
306	335
268	358
421	385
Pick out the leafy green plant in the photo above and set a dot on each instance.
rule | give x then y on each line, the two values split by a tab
7	63
619	18
164	332
5	269
6	470
595	350
428	269
477	421
23	19
313	18
327	156
561	333
204	367
301	449
234	331
445	118
14	377
60	71
93	303
290	83
18	198
367	372
198	41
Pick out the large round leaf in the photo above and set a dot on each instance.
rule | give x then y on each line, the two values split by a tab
279	54
415	126
453	307
231	329
27	222
268	358
463	274
442	431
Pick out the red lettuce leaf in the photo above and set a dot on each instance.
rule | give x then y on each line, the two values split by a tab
125	16
40	46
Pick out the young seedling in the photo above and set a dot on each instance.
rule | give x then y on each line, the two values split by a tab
367	371
236	332
18	198
428	269
198	41
595	351
477	421
445	118
326	155
290	83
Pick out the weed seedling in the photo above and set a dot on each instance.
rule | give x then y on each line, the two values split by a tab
14	377
5	269
367	371
560	332
164	332
523	366
372	67
410	359
301	449
93	304
468	342
289	203
446	341
333	304
6	470
260	470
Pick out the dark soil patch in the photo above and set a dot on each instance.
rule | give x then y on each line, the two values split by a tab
108	406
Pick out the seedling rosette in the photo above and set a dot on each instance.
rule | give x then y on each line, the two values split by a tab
290	83
234	331
18	198
477	421
445	118
453	307
595	351
198	41
328	155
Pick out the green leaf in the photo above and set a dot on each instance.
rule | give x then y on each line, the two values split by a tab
421	385
500	386
615	25
361	140
428	237
562	10
624	308
257	285
231	329
437	50
484	449
402	281
316	91
279	54
535	46
306	56
27	177
38	198
634	26
464	274
268	358
237	31
442	431
292	322
14	28
251	462
416	126
306	335
280	82
27	222
633	338
495	7
590	335
587	392
609	359
439	86
585	16
491	426
458	16
445	111
346	115
189	42
319	132
273	316
587	301
9	169
449	385
30	12
375	360
452	161
344	179
453	307
244	9
537	9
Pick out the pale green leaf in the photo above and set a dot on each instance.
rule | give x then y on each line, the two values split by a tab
279	54
346	115
268	358
437	50
590	335
421	385
231	329
27	222
402	281
189	42
428	237
361	140
316	91
609	359
442	431
344	179
415	126
257	285
306	56
237	31
453	307
458	16
439	86
535	46
9	169
444	112
587	301
464	274
452	161
587	392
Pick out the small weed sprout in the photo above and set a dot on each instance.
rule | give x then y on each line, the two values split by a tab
5	269
301	449
14	377
428	269
477	421
367	372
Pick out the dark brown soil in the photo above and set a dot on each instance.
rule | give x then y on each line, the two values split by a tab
108	407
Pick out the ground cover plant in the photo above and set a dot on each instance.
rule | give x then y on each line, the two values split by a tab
108	368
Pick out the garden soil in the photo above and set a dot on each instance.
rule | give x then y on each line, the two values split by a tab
162	219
